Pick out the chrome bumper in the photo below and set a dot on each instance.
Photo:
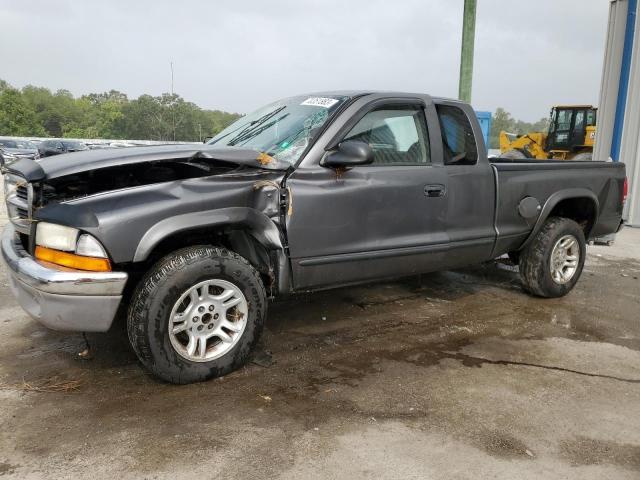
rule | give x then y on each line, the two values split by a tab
70	300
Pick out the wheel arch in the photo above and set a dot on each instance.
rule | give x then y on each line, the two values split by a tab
248	232
578	204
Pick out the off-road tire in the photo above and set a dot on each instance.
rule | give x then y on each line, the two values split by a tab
158	291
535	268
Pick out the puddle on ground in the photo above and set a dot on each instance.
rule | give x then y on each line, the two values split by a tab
324	348
591	451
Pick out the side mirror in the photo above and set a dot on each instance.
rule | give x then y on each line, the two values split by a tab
349	154
206	139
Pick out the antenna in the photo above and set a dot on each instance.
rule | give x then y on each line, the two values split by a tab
173	110
171	63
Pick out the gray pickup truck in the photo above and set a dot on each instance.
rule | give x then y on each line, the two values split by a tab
310	192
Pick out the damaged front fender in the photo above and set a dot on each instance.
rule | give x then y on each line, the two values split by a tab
132	222
242	220
258	224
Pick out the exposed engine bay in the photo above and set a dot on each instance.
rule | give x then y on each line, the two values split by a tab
125	176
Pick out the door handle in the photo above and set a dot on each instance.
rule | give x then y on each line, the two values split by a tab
434	190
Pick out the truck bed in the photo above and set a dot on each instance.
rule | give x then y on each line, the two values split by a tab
587	182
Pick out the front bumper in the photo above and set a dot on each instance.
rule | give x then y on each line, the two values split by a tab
61	299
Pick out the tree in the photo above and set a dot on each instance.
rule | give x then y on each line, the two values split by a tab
36	111
16	116
502	120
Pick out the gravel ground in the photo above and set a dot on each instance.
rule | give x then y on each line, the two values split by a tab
461	376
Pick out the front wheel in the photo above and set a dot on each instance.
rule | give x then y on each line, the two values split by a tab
552	263
197	314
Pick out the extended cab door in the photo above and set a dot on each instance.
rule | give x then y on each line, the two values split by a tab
371	221
471	189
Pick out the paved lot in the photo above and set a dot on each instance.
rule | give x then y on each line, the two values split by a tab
462	377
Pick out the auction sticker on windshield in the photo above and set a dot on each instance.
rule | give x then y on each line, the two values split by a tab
320	102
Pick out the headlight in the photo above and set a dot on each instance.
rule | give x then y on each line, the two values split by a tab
57	237
66	246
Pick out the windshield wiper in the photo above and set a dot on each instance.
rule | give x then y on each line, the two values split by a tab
246	132
244	127
257	130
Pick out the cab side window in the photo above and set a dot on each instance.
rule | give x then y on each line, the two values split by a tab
458	141
397	135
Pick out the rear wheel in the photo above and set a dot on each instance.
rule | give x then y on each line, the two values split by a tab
552	263
197	314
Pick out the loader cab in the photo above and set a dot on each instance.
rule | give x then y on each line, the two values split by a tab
571	129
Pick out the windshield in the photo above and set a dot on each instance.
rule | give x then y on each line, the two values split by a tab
8	143
282	129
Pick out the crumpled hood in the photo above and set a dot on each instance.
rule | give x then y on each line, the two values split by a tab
77	162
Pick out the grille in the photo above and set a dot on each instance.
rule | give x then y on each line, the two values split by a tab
18	198
22	192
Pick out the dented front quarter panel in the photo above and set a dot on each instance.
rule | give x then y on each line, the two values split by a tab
131	221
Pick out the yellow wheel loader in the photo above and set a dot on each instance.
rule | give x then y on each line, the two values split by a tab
571	135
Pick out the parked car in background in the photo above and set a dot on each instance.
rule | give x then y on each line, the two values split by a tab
98	146
19	148
6	157
124	145
48	148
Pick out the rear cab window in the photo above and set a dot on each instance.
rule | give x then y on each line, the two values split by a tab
458	141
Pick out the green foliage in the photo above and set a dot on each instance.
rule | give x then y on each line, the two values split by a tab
36	111
502	120
17	116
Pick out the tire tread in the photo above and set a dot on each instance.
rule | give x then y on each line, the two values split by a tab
533	261
162	271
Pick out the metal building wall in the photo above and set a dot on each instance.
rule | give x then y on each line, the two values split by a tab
621	106
610	79
630	145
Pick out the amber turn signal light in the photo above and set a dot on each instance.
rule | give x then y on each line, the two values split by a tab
71	260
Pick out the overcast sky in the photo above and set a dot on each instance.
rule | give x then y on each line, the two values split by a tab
237	55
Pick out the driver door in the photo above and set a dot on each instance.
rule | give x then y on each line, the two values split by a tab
372	221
